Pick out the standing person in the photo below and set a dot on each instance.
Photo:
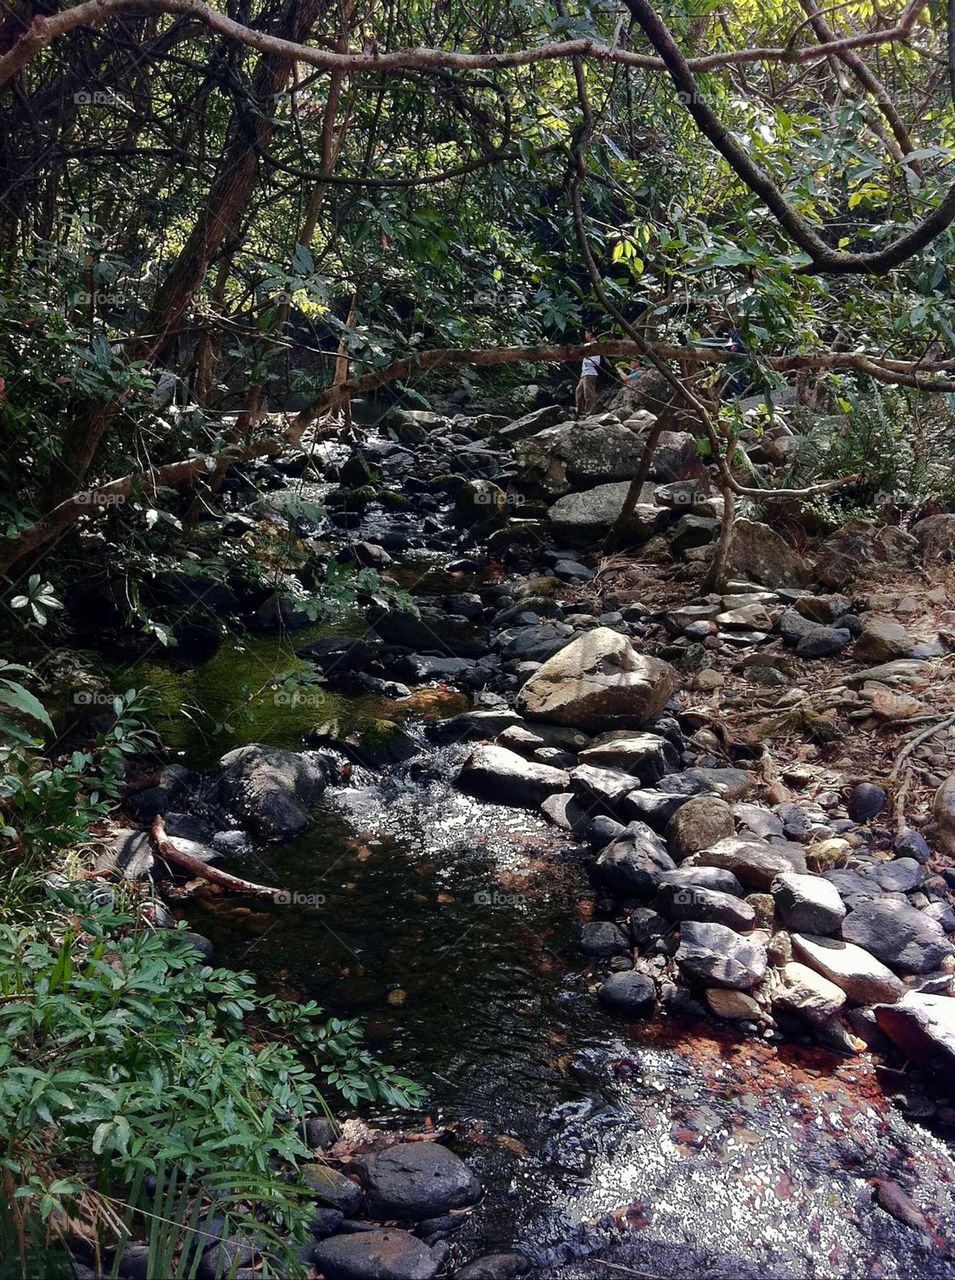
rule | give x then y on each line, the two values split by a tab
586	394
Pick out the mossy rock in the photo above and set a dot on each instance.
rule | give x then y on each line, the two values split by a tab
376	744
351	499
826	854
447	482
389	498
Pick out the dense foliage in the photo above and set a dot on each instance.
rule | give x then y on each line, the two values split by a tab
195	231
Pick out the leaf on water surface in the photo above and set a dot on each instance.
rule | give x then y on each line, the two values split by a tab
890	1197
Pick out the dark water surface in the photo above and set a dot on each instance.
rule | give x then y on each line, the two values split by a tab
606	1149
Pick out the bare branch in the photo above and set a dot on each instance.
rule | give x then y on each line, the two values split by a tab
43	30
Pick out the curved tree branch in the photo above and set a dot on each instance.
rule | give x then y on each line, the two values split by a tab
930	376
869	81
43	30
825	259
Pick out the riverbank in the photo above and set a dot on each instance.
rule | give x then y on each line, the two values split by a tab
449	921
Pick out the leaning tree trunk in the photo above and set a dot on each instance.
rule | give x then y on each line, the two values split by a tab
219	219
620	525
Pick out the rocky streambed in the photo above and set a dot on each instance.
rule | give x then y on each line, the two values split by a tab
677	1017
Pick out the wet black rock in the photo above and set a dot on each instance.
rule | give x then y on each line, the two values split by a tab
602	938
376	1255
133	1263
572	571
646	925
865	801
332	1189
231	844
823	642
681	1003
629	993
909	844
534	643
632	863
432	631
415	1180
602	830
270	789
225	1257
465	604
153	801
320	1132
189	827
368	555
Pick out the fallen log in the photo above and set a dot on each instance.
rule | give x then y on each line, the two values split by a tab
232	884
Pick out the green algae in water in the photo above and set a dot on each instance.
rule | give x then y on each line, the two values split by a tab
248	692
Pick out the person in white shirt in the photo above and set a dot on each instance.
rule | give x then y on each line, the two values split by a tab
586	394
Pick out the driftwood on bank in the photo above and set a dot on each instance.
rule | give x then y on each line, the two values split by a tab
232	884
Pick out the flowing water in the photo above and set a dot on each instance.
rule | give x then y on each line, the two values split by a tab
605	1149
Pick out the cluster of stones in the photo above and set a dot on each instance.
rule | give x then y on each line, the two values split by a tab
383	1215
781	918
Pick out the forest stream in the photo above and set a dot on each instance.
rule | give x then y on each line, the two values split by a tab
450	927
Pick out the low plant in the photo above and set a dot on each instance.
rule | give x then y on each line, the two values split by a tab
124	1058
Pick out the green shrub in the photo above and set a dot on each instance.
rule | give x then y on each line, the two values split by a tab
123	1055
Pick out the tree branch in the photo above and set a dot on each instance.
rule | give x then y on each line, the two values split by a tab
233	884
825	259
43	30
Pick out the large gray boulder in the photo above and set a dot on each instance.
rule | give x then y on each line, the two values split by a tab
503	777
596	682
862	546
904	938
581	519
717	956
271	789
936	536
580	454
376	1255
416	1180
